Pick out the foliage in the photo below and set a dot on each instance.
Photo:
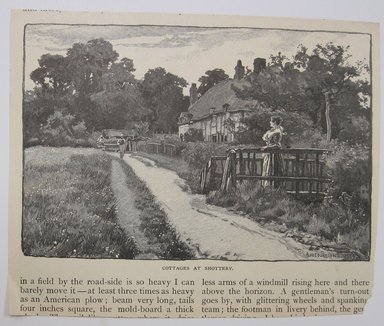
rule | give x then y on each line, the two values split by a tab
88	63
193	135
198	154
349	167
52	74
271	206
69	210
295	126
93	87
142	129
163	95
63	130
210	79
304	83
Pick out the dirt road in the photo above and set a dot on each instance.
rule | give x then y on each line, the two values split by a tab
214	232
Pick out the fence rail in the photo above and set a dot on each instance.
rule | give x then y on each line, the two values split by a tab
160	148
303	170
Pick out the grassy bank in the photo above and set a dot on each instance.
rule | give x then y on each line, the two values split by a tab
154	221
325	224
69	206
338	224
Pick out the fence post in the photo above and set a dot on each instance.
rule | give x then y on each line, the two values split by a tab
229	176
297	183
317	169
241	163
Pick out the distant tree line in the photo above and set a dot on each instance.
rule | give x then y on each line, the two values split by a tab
89	89
320	94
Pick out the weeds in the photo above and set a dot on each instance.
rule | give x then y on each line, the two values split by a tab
154	221
69	209
330	221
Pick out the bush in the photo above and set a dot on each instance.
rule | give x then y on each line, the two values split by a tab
193	135
62	130
349	167
198	154
357	131
300	129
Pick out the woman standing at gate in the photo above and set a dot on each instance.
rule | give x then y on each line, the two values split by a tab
273	163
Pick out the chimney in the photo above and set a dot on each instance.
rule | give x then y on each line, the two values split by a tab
239	70
211	110
192	94
259	64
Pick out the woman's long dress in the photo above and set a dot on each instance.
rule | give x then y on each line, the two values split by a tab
273	164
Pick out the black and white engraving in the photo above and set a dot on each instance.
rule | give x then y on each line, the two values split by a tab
178	143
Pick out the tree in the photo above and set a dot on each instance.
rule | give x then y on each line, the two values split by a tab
119	104
163	96
328	74
322	85
89	85
88	62
210	79
52	74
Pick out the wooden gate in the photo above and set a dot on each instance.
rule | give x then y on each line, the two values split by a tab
304	171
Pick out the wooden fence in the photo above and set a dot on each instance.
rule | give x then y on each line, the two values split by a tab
159	148
303	170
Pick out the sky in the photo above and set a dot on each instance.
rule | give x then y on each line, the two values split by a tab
184	51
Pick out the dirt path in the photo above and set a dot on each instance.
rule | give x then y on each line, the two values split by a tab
214	232
127	214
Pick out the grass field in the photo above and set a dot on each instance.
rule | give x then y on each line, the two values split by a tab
69	207
70	210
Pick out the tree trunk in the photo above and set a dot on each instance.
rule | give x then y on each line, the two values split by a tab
327	117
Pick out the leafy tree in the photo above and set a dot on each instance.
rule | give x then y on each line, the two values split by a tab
88	62
163	96
119	104
89	85
210	79
52	74
321	85
328	74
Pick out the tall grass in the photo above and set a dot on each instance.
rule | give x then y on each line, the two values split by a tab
69	210
329	221
154	221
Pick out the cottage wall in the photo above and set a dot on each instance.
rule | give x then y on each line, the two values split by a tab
213	127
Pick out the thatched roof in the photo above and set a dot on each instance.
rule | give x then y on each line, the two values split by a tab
219	96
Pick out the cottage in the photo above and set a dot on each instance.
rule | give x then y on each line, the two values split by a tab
219	111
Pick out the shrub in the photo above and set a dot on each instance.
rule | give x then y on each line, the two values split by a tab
193	135
349	167
62	130
295	125
198	154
